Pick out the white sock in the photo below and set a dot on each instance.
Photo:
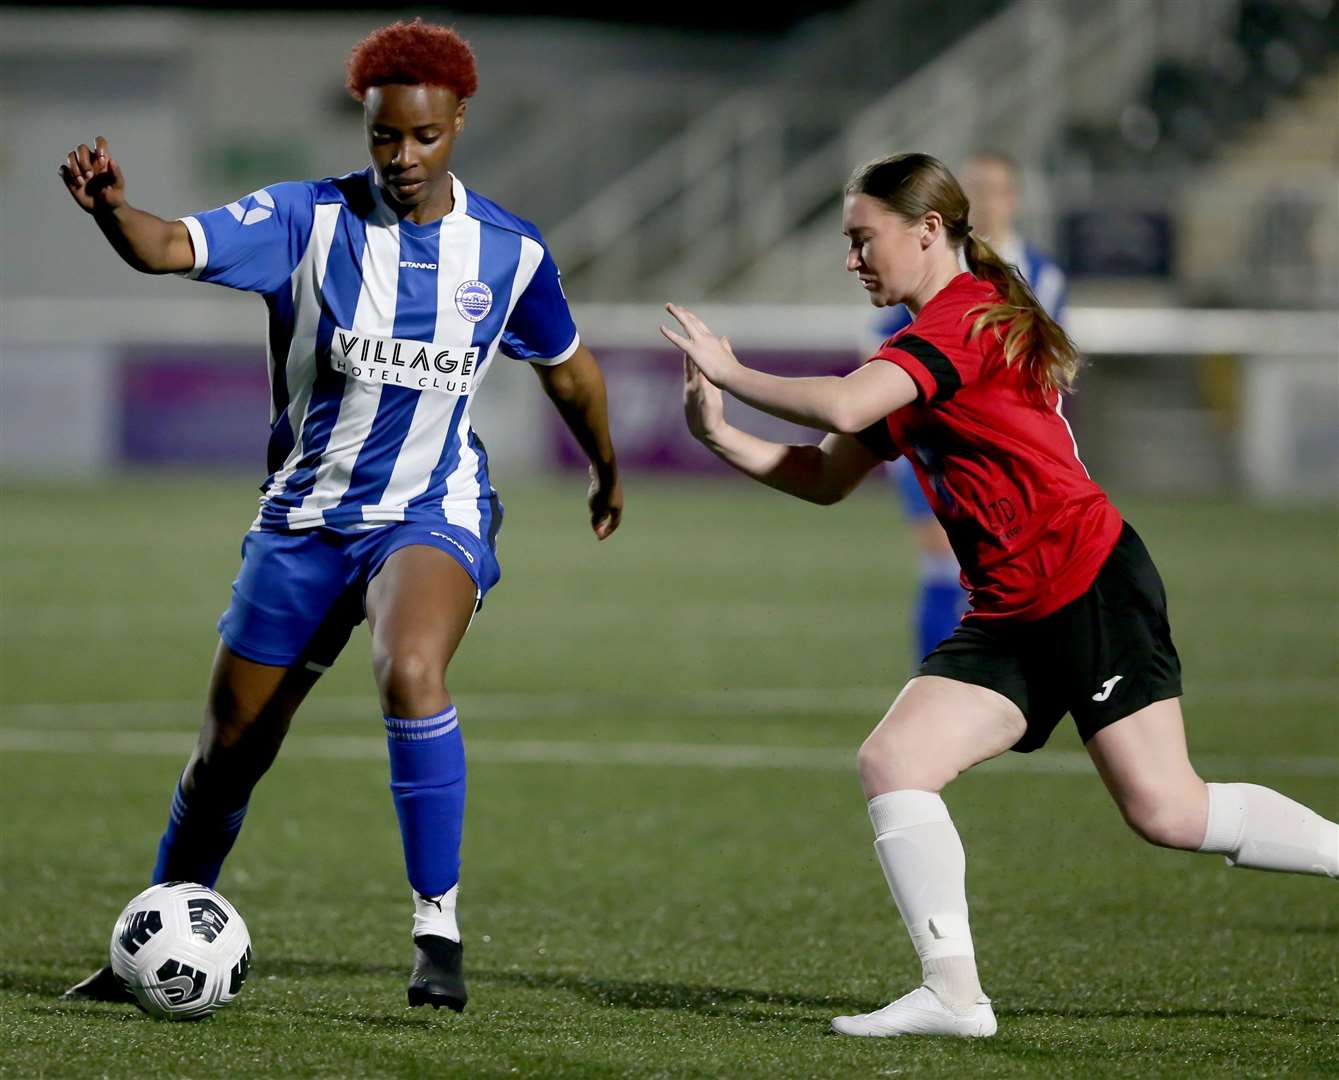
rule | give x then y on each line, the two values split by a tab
923	861
1257	827
436	915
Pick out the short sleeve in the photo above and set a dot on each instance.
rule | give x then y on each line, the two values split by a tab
936	376
254	243
541	329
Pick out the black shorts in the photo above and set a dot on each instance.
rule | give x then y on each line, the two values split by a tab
1101	657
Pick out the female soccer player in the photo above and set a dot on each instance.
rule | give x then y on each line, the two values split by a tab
390	291
1067	611
990	180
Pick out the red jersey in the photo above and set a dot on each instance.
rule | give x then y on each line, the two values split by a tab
997	461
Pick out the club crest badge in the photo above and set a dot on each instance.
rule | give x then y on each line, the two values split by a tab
474	300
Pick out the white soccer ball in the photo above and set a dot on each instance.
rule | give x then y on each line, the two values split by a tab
182	949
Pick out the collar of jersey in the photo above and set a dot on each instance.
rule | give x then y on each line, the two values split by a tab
385	215
963	280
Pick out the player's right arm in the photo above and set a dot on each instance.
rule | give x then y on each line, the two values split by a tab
822	474
145	241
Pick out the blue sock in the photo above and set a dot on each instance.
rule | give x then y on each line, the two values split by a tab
428	786
196	841
941	602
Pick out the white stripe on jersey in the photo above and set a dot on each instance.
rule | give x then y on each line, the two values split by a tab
461	502
347	451
1073	441
374	315
300	365
458	246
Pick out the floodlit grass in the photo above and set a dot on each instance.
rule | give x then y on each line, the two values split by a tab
667	866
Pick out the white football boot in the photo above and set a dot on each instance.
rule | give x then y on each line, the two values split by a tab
920	1013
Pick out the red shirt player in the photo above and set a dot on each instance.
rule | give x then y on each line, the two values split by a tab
1068	614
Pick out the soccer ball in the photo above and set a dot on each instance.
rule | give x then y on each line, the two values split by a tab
182	949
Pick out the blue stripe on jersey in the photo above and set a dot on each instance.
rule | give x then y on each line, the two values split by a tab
499	253
490	507
415	319
449	459
339	301
282	316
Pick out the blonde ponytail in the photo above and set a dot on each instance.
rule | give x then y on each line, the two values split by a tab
1046	351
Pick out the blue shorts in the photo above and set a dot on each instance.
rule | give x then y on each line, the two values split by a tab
299	594
903	477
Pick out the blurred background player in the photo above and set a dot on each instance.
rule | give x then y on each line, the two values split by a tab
390	292
1068	611
990	180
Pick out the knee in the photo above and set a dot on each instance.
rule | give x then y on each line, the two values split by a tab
891	764
229	720
411	681
1167	819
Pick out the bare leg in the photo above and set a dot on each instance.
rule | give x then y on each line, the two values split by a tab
247	715
1142	760
420	606
935	730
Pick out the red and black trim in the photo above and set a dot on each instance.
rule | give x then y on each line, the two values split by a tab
947	380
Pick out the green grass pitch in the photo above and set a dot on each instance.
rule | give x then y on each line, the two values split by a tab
668	871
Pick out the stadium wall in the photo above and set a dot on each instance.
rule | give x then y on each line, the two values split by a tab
1174	401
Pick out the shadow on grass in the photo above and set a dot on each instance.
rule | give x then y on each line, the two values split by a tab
1330	929
741	1003
622	993
736	1002
1160	1014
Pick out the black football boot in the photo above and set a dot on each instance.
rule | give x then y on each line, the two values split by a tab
437	979
102	985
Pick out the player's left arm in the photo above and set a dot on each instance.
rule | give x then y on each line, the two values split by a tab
540	330
576	388
842	405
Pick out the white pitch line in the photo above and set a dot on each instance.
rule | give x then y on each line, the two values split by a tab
869	701
567	752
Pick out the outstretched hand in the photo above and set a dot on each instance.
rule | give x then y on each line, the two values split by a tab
93	178
711	355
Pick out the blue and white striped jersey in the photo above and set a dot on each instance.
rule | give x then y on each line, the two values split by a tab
380	332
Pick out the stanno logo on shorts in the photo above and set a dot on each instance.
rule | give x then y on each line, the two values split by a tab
1107	687
464	551
414	365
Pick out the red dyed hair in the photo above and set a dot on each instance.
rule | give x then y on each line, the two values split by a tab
413	54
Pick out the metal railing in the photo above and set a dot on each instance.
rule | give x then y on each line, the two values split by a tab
707	211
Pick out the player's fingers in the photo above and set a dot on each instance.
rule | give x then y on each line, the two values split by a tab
680	315
676	339
70	180
84	156
100	147
607	524
694	324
